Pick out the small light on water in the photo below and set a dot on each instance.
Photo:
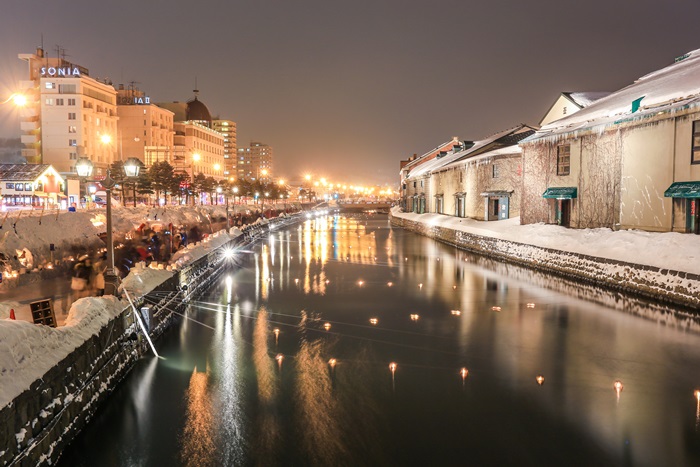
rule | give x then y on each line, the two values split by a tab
392	367
454	287
456	312
296	281
373	321
464	372
697	394
279	358
389	284
327	326
414	317
360	283
539	379
495	308
618	386
531	305
420	286
332	363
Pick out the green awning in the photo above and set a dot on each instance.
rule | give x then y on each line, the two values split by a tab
560	192
683	190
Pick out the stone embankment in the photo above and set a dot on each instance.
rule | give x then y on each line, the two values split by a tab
657	284
37	425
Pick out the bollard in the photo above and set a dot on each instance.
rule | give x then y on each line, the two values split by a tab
12	313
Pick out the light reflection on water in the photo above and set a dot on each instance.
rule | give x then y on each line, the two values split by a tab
246	410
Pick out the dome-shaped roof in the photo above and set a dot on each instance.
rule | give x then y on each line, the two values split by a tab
196	110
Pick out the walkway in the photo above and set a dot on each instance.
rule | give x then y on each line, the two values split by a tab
18	298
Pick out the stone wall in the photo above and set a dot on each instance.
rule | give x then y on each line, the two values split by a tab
664	285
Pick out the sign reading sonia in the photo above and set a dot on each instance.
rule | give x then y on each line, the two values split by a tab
60	71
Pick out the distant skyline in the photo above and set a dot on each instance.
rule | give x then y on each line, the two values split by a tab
346	90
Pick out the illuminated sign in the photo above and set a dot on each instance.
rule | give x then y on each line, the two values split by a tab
60	71
134	100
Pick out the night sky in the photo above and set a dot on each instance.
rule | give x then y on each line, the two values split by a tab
348	89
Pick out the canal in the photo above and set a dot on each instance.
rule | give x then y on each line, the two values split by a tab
342	341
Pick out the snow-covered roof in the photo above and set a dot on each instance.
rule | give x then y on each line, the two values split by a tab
584	99
665	90
476	149
24	172
449	145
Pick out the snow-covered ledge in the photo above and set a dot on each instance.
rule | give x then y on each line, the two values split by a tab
661	266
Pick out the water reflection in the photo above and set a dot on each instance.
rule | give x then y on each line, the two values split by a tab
340	299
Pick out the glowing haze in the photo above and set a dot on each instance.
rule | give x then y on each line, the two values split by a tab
348	89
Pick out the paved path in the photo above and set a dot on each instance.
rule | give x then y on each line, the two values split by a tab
57	289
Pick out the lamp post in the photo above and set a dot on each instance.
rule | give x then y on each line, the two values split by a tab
195	158
235	192
84	168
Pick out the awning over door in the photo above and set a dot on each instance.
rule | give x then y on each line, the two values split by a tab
683	190
560	192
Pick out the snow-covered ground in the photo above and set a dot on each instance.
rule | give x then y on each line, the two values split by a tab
670	250
28	351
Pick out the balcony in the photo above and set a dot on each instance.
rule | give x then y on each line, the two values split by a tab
30	139
29	126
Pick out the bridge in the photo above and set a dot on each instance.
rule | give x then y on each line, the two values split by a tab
360	206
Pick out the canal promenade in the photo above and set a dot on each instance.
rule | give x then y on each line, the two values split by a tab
660	266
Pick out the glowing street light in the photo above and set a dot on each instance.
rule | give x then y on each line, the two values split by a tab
17	99
539	379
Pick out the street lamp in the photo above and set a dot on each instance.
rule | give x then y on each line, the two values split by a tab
19	100
235	192
84	168
196	157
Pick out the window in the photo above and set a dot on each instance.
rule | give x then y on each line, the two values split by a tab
10	186
71	115
71	101
59	101
73	156
494	171
72	142
50	85
19	186
695	154
72	129
49	101
563	160
66	89
27	187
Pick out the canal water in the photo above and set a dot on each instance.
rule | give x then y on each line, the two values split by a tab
436	363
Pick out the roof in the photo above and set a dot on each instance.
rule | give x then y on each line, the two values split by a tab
196	110
669	89
584	99
22	172
497	141
443	147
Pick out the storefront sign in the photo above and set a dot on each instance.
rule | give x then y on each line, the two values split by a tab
134	100
66	71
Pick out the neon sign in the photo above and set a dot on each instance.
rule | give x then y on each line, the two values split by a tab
60	71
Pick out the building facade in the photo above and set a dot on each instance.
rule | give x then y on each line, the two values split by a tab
228	129
68	115
630	160
255	162
146	131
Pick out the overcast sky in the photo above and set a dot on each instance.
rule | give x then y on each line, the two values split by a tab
346	89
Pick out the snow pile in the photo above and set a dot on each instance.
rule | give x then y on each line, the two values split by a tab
28	351
670	250
142	279
193	252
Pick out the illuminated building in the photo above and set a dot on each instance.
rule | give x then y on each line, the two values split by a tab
228	129
197	146
145	130
254	162
68	114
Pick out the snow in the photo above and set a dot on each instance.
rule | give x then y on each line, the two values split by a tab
663	90
669	250
28	351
